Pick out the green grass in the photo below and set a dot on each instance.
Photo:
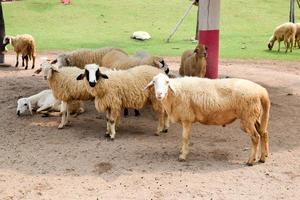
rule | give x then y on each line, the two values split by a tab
245	25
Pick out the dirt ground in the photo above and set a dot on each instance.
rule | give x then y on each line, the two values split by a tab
38	161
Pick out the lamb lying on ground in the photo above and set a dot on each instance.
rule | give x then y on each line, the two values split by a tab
44	102
285	32
193	62
119	89
24	45
216	102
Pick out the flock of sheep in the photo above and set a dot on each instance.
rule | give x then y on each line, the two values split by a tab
287	32
115	81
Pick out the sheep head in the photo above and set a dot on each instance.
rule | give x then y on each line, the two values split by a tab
47	69
161	84
92	74
6	40
23	104
161	64
201	50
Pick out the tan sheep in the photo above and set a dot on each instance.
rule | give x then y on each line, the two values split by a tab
285	32
216	102
64	86
24	45
297	37
193	62
82	57
119	89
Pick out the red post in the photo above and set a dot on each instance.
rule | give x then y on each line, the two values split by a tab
209	17
66	2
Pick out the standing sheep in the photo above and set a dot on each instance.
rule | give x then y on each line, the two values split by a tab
24	45
123	88
297	37
285	32
65	87
82	57
193	63
216	102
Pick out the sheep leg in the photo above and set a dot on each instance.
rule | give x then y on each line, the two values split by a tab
23	58
63	111
33	62
166	122
161	124
136	113
42	108
26	60
68	115
17	63
279	46
286	44
185	140
250	129
264	146
108	127
299	44
115	114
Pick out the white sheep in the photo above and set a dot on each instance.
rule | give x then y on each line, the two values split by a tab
193	62
24	45
122	89
82	57
64	86
285	32
44	102
216	102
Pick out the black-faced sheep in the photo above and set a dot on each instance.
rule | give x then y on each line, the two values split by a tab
24	45
193	62
119	89
216	102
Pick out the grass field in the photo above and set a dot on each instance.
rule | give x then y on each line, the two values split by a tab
245	25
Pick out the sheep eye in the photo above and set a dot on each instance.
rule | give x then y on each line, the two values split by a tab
25	104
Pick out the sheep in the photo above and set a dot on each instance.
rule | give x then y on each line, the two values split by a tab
193	63
44	102
297	37
24	45
285	32
122	88
120	60
64	86
81	57
216	102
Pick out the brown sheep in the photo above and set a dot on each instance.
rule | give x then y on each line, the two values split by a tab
24	45
193	63
297	37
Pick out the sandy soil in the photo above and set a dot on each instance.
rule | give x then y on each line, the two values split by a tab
38	161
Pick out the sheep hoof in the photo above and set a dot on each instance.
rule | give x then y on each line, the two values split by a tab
165	130
106	135
182	158
61	126
32	67
137	113
26	67
262	160
112	139
157	133
249	164
45	115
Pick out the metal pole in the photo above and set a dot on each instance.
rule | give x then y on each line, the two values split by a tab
2	35
292	11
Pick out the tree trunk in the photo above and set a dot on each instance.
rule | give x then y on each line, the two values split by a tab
2	35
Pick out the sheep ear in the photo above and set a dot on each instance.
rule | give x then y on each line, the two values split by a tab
53	62
158	64
80	77
54	69
38	71
104	76
149	85
172	87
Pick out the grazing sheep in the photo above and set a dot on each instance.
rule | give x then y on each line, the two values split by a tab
82	57
64	86
297	37
122	89
193	63
285	32
140	35
44	102
24	45
120	60
216	102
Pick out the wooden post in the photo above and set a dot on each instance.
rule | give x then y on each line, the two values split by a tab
209	17
2	35
292	11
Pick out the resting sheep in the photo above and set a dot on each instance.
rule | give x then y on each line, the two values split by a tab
24	45
122	88
44	102
285	32
82	57
216	102
193	63
65	88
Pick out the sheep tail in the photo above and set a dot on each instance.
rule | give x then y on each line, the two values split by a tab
265	102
